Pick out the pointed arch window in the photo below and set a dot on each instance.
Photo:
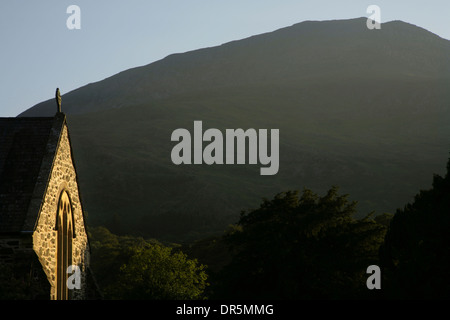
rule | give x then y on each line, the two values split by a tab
65	235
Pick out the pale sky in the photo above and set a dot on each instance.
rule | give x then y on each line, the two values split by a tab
39	53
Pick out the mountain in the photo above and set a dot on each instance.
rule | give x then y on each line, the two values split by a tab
367	110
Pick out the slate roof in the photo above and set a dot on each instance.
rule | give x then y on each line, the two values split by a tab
27	151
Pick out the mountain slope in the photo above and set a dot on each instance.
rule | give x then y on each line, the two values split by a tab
306	51
367	110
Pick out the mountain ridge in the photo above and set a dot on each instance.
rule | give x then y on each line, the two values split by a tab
367	110
146	72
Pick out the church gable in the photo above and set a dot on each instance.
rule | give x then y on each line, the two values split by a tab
41	216
59	237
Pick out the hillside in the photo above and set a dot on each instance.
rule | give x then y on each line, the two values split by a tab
367	110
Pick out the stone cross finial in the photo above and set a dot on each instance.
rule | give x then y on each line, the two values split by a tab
58	99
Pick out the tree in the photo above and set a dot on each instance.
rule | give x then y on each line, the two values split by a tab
155	272
134	268
304	247
416	252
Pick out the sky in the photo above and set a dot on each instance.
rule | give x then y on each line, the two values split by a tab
39	52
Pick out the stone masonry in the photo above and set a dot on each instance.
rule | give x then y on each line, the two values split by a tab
62	177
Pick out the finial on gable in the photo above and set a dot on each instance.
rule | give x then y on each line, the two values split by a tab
58	100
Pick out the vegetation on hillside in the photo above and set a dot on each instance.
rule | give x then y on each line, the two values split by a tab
133	268
301	246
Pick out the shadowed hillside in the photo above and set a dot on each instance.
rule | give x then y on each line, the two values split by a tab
367	110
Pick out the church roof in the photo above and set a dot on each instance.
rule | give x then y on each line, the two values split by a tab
27	150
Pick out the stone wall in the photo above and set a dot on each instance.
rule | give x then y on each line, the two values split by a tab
63	177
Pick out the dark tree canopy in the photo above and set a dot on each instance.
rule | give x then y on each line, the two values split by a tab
301	247
416	253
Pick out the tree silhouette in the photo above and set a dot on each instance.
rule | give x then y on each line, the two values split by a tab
301	247
416	253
